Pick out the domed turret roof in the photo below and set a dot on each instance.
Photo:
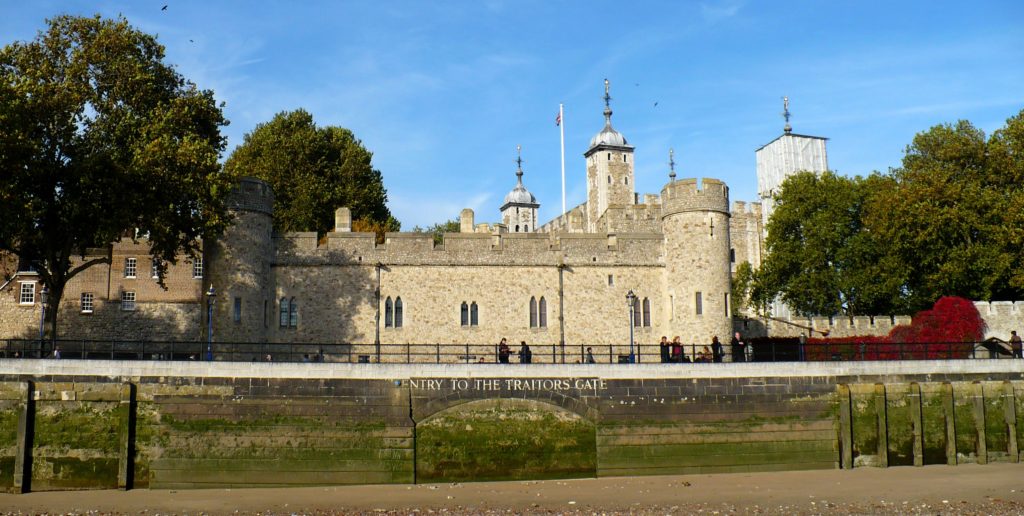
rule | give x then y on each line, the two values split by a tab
608	135
519	194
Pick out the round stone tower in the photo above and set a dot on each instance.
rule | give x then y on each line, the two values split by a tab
238	267
695	221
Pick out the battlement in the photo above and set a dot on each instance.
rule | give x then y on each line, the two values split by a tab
740	208
687	195
252	194
643	249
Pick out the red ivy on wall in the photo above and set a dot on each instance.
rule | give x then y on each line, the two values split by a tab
948	330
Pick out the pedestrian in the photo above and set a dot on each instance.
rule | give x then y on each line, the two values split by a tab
677	350
590	356
736	345
56	353
716	350
525	355
1015	343
665	350
503	351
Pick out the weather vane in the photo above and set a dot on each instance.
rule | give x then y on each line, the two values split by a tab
671	164
785	114
519	161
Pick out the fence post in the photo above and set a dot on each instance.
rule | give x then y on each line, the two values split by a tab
408	353
438	347
467	352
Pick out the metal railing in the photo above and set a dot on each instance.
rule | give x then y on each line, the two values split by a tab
489	353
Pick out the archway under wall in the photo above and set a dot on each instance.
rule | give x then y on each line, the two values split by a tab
505	439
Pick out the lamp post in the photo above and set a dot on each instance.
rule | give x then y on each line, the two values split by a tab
631	302
211	298
44	298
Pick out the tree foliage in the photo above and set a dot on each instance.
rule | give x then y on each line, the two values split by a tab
440	228
313	171
99	138
948	222
821	258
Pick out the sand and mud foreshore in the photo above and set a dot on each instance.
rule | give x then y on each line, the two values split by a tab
966	489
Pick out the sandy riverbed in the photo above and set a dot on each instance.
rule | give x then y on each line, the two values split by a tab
967	489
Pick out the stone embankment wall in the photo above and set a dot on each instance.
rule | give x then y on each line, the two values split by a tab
91	425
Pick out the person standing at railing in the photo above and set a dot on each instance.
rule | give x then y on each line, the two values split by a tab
716	350
677	350
738	352
1016	345
525	355
503	351
666	350
590	356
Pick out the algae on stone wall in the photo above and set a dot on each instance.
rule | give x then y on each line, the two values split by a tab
504	440
76	445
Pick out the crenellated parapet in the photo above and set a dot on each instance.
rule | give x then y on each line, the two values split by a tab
497	249
252	194
689	195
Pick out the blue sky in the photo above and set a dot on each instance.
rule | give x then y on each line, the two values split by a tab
442	92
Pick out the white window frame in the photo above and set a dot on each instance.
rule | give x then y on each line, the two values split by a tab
27	296
197	268
128	301
131	267
87	301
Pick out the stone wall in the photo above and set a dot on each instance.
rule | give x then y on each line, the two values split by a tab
94	424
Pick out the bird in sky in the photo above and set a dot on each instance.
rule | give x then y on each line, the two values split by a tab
164	8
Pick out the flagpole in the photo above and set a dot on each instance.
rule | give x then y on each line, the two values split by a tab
561	126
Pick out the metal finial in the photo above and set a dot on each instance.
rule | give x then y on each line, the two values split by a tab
785	114
519	163
607	103
671	164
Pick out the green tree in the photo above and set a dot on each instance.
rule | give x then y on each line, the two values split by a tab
821	259
313	171
953	219
99	138
440	228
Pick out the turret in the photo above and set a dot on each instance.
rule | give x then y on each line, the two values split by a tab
610	177
695	222
238	266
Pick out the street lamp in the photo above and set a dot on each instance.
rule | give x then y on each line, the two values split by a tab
211	298
631	302
44	298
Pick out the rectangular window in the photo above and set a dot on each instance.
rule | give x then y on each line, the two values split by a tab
727	304
611	280
127	301
27	294
87	302
155	274
238	310
732	255
699	303
197	268
130	265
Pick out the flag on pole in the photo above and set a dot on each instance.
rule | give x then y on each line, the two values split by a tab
558	118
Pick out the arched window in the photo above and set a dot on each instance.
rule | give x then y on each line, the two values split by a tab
526	228
625	180
473	315
284	312
542	314
465	314
533	312
398	312
647	312
388	321
517	228
293	314
637	319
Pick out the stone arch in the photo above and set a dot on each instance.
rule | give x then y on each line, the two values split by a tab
505	439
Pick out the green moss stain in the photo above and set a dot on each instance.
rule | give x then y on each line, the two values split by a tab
865	424
76	445
900	426
505	440
934	423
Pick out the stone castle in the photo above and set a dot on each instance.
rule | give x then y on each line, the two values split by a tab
560	285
